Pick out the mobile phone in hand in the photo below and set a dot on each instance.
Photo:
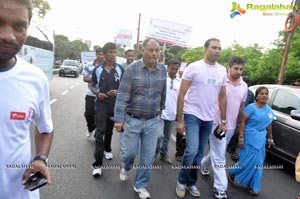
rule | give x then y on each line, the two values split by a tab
36	181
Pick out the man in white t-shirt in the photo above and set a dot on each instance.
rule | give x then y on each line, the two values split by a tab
202	85
90	97
24	98
236	92
168	116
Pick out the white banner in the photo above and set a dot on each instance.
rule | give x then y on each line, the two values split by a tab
169	32
124	37
91	56
87	57
41	58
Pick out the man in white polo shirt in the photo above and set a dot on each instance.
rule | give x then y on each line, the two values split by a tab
236	92
24	98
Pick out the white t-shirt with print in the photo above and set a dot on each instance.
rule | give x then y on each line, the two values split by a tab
172	87
24	98
206	82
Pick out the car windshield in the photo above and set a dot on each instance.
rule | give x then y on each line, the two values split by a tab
70	63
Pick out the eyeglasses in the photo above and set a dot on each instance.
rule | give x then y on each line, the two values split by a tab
171	87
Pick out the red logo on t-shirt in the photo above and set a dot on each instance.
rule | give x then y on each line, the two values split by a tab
17	115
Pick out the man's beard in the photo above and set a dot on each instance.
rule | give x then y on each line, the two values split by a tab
8	50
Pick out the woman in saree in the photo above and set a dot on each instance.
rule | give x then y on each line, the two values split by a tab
255	130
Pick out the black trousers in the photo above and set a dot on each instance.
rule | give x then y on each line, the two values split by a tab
232	145
103	135
89	113
180	145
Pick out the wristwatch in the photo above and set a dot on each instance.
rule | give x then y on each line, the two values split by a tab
41	157
223	121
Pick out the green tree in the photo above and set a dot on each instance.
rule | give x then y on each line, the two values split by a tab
121	52
252	55
174	52
76	47
62	46
267	68
68	49
42	7
292	71
193	54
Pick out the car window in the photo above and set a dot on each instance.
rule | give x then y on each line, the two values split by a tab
286	101
271	91
70	63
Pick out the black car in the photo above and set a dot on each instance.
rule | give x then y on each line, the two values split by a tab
70	67
285	102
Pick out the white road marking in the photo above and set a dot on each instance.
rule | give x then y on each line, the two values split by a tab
65	92
72	87
52	101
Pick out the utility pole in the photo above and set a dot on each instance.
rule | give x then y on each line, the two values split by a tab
138	38
287	46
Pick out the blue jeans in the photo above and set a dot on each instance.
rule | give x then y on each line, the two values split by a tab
144	132
197	134
166	128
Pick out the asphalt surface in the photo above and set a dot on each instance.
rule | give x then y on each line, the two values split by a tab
72	154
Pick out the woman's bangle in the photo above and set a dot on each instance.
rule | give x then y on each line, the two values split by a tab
270	140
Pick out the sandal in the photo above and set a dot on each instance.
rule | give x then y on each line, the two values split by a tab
234	156
231	178
253	193
178	158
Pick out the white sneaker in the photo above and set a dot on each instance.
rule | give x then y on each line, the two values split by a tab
124	175
108	155
143	193
88	134
97	172
204	171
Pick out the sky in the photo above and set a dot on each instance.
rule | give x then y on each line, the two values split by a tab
100	20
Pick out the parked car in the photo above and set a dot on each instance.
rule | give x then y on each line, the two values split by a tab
285	102
70	67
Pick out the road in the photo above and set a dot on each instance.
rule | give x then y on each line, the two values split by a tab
72	154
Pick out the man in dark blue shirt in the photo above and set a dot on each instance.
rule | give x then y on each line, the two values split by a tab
105	83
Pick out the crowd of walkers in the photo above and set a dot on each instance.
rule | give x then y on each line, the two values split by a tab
208	105
145	101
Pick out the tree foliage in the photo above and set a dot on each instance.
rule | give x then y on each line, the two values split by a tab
262	65
68	49
41	6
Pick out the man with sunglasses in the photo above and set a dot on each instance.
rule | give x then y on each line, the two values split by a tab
168	117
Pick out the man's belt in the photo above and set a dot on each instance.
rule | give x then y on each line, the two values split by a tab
141	118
